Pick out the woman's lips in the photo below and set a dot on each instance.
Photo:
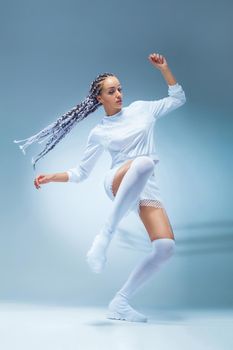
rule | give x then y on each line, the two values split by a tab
119	101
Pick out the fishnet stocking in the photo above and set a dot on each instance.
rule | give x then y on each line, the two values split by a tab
150	203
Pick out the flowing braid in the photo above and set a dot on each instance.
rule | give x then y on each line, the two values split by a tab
54	132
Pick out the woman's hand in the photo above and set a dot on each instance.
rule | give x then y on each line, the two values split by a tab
42	179
158	61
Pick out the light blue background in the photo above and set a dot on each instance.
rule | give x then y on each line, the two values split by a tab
50	53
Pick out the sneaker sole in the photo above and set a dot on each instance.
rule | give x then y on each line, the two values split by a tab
117	316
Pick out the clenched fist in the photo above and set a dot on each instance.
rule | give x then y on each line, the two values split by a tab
158	60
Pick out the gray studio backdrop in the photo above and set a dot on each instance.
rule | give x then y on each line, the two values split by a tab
50	53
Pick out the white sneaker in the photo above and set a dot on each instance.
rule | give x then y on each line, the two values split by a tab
119	309
96	256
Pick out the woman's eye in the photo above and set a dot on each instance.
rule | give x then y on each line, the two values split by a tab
112	91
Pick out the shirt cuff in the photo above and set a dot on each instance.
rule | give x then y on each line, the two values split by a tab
174	87
71	176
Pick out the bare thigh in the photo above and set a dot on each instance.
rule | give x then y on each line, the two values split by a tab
156	222
154	219
119	176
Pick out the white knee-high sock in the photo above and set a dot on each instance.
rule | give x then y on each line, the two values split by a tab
119	307
128	192
163	249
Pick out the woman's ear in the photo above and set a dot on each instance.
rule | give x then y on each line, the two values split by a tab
99	98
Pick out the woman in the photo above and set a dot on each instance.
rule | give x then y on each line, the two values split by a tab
127	133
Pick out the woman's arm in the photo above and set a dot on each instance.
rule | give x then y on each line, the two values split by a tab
79	173
168	76
176	96
46	178
160	63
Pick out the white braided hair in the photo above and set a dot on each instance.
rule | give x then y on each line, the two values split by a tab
54	132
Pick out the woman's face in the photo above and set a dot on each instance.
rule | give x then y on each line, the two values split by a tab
111	95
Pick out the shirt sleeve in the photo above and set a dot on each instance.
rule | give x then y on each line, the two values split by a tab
158	108
92	152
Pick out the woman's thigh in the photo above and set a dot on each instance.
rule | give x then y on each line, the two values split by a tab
119	176
156	222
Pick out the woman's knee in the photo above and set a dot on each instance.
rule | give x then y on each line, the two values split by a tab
144	164
165	247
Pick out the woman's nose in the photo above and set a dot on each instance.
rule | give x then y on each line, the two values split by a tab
118	94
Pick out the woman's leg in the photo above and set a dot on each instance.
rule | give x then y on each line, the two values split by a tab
163	247
131	186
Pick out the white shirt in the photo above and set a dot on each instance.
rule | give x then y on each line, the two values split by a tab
126	134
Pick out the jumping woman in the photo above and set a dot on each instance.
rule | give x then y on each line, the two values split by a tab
127	133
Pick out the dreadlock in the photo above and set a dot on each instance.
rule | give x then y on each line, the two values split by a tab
54	132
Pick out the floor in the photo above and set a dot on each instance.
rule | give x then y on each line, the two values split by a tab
26	326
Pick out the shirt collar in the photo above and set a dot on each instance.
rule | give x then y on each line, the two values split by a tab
114	116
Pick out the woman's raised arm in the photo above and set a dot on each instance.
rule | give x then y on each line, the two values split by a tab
160	62
176	96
